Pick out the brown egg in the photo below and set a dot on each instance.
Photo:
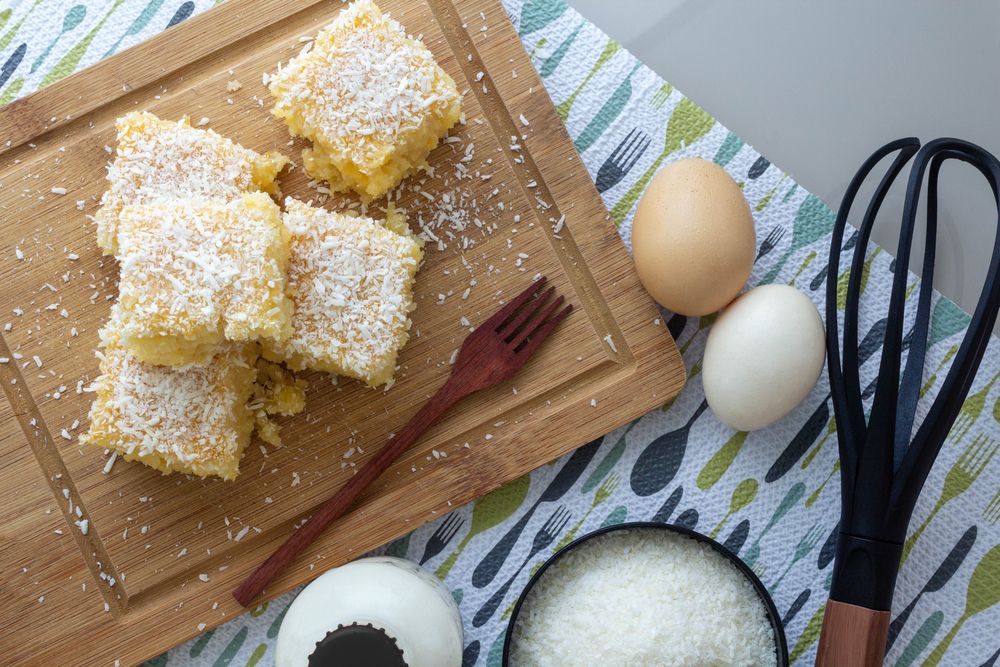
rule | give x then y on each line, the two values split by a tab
693	238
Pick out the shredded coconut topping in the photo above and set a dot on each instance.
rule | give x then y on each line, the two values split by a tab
351	280
159	159
193	420
364	91
194	273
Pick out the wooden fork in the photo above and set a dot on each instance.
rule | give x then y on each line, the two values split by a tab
491	354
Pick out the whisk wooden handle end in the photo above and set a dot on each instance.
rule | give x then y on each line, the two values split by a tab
852	636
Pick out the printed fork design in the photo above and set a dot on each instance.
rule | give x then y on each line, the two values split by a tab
969	466
770	242
543	538
992	511
622	159
806	544
442	536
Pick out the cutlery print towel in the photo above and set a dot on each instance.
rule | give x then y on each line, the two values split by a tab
771	495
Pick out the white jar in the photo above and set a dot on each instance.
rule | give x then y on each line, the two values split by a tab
387	611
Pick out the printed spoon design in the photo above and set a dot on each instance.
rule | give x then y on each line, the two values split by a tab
814	425
766	199
67	64
552	62
717	466
471	654
658	463
796	606
793	496
829	548
687	124
831	428
610	49
688	519
947	319
183	12
820	277
932	380
603	468
731	145
921	640
813	221
9	35
73	18
982	593
543	538
800	443
12	62
608	112
941	576
743	495
809	635
814	496
491	563
669	505
615	517
489	511
536	14
138	24
845	277
759	166
738	537
676	324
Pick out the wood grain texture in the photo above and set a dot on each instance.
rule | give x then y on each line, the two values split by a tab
153	535
852	636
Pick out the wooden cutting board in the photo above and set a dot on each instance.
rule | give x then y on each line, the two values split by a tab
157	538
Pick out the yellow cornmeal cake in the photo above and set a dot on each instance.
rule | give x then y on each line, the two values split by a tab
276	391
370	98
193	420
351	279
157	159
195	273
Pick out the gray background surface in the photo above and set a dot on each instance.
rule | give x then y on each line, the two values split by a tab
817	86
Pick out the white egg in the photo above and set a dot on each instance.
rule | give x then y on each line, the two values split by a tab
398	598
763	356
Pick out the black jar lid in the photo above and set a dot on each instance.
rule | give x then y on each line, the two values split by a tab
357	645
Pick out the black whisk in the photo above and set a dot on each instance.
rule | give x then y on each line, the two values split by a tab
882	468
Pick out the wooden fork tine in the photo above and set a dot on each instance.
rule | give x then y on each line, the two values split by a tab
526	312
499	317
543	333
537	319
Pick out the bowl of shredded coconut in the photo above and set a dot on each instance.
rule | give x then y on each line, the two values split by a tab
645	594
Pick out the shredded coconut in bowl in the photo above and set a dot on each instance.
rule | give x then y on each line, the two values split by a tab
642	597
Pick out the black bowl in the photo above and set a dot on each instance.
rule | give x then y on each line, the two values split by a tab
780	644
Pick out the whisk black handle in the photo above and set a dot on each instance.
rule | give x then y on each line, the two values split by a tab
882	470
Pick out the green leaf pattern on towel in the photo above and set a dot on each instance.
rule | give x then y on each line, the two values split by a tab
602	93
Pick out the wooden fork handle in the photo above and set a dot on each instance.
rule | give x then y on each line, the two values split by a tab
852	636
449	394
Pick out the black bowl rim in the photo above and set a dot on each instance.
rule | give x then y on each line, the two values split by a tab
780	642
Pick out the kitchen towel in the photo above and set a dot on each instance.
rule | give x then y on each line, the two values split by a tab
772	495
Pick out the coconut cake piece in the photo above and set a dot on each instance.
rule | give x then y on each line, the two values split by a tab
161	159
351	279
192	420
369	97
195	273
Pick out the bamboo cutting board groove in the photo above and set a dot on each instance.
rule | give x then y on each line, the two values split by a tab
161	554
